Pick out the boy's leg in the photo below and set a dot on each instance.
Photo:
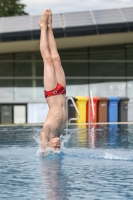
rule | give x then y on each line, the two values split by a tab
54	54
50	80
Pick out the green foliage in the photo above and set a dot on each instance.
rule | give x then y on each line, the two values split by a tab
11	8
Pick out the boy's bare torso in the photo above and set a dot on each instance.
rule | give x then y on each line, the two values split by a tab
56	119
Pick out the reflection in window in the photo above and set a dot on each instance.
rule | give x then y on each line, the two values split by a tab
75	68
6	90
130	73
107	68
6	69
40	90
23	69
108	88
130	89
23	90
77	88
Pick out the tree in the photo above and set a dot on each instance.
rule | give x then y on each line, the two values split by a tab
11	8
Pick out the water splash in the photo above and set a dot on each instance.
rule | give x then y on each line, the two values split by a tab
96	153
108	154
47	152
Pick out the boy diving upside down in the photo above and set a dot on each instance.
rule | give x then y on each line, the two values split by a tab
54	85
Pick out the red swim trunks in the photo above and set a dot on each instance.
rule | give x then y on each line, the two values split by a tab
58	90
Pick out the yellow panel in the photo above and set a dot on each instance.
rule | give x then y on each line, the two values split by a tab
81	105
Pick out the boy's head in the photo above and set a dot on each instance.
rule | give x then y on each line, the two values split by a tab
55	143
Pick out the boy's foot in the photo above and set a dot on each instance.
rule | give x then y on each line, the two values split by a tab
44	19
49	18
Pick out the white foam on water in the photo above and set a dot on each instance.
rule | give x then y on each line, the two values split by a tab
108	154
47	152
119	154
112	157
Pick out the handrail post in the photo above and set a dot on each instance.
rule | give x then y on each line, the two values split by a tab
92	105
72	119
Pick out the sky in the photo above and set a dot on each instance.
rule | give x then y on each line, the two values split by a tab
35	7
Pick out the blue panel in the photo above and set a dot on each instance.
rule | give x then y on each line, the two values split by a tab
114	98
113	109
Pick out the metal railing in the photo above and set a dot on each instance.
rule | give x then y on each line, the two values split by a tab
93	111
76	118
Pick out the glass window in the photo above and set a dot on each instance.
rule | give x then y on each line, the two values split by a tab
130	73
77	87
23	83
74	68
23	56
130	57
107	87
5	57
23	69
39	82
40	89
107	68
39	68
23	90
6	68
71	68
74	54
38	55
6	90
130	89
130	111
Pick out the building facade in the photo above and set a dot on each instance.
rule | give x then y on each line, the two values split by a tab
96	50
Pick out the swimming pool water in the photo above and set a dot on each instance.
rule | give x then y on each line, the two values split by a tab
96	164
